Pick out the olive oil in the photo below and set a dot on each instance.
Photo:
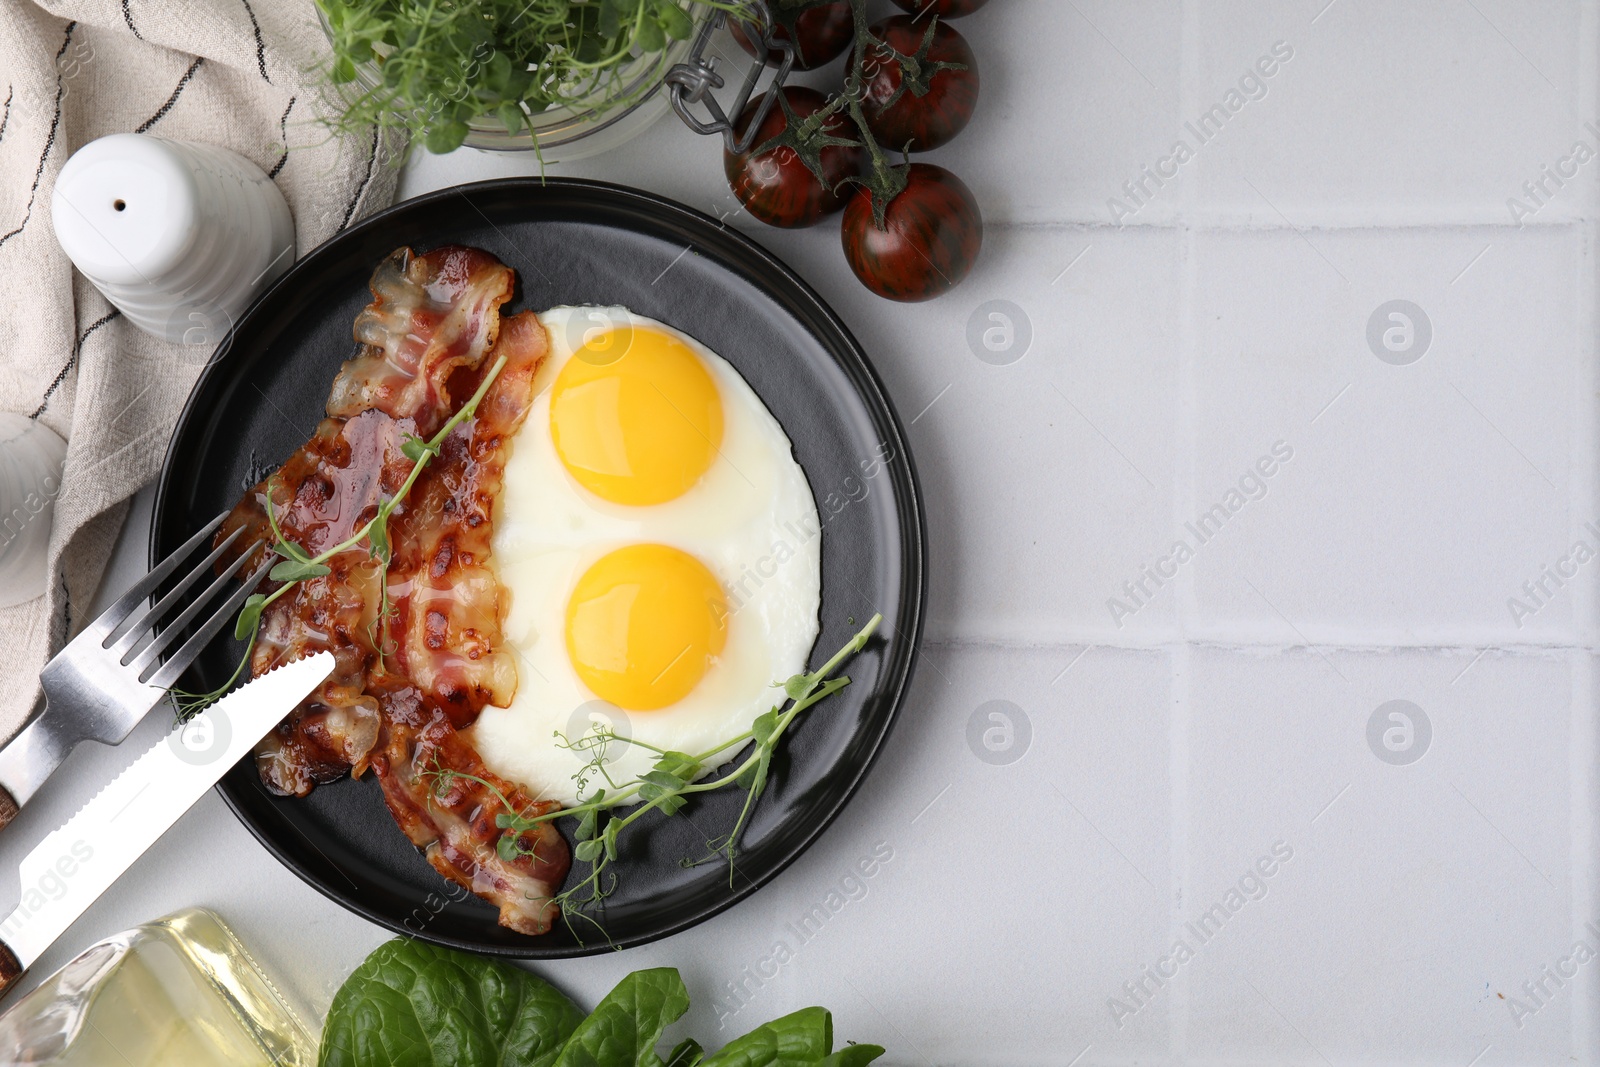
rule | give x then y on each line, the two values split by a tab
181	990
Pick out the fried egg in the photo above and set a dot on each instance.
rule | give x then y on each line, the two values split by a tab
661	551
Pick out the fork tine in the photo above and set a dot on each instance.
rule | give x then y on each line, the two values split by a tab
169	634
179	661
137	627
103	627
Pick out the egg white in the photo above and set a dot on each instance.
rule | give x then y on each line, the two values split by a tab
752	520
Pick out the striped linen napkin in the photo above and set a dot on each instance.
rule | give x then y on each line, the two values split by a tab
244	74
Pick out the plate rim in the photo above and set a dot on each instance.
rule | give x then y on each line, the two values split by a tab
913	539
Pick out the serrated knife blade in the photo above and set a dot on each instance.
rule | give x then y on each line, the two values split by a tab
79	860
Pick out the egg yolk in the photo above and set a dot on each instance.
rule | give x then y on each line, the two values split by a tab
644	624
637	428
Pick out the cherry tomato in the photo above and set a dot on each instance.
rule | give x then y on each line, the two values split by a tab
932	110
933	231
776	186
945	9
823	34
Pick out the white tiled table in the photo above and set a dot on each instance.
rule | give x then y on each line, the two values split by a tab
1228	714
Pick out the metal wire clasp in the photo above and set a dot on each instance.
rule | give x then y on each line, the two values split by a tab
691	82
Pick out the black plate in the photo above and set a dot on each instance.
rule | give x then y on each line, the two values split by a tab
578	242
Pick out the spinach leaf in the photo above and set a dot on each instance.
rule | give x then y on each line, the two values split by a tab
413	1005
852	1056
624	1028
799	1039
688	1053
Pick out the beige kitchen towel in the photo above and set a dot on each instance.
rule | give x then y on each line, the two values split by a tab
244	74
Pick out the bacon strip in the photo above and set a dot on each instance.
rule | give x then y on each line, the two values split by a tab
441	314
322	495
446	596
451	817
409	677
430	316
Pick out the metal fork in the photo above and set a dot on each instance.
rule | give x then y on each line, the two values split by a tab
108	678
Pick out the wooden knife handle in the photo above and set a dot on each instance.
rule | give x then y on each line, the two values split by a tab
10	969
8	811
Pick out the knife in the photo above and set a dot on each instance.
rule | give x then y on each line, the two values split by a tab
78	861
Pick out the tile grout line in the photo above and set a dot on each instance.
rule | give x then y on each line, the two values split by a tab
1183	502
1582	862
1221	643
1583	471
1212	223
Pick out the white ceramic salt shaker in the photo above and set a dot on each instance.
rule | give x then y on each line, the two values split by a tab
178	235
30	479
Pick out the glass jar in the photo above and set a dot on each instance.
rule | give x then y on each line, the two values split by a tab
30	479
629	105
570	133
178	991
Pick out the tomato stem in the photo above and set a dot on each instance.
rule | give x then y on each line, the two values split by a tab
884	179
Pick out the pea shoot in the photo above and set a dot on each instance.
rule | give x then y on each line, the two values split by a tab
666	787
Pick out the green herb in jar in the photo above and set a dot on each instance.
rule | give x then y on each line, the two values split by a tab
433	67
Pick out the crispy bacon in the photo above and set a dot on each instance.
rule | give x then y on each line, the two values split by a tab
447	608
451	816
323	494
430	317
441	311
420	656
